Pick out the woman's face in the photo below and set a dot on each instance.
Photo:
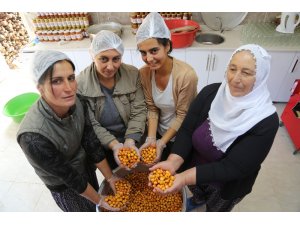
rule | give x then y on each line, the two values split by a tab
241	73
60	90
107	63
153	53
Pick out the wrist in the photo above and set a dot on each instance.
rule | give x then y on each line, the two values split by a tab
150	139
116	146
110	178
130	141
175	160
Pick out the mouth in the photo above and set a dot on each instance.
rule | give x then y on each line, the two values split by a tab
69	97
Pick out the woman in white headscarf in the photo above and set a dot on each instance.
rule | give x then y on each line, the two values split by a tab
115	96
170	85
58	139
227	134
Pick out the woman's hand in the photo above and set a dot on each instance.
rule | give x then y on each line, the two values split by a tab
112	182
150	141
165	165
103	204
160	145
116	148
177	186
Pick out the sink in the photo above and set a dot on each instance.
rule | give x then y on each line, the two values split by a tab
209	39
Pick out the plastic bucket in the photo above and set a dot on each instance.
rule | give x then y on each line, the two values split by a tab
17	107
104	188
182	39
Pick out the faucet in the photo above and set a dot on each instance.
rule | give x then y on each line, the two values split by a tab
221	24
113	19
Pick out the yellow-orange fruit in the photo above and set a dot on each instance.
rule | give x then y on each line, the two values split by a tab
161	179
120	199
128	157
148	155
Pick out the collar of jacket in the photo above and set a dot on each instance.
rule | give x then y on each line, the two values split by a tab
49	113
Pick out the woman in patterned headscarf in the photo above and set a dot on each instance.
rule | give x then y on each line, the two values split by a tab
227	134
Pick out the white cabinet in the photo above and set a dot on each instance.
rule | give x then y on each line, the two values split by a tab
288	70
126	58
179	54
209	65
136	58
280	64
81	59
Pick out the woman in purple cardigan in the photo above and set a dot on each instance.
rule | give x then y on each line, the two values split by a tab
226	135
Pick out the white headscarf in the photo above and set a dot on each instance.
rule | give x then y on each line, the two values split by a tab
232	116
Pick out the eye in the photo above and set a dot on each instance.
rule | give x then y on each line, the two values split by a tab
56	81
103	59
143	53
154	50
71	78
116	59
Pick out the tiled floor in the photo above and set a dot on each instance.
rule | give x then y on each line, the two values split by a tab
276	189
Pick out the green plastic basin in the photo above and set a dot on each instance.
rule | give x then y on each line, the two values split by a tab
17	107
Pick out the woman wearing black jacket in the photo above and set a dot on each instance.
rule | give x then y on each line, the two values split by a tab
227	134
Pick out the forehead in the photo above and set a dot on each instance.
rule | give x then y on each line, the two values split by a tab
109	53
62	66
243	58
148	44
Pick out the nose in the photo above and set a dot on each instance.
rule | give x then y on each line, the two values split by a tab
110	65
67	86
149	57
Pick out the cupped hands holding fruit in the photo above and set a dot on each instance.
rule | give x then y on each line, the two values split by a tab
164	179
126	155
151	150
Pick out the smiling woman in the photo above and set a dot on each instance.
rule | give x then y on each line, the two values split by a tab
229	129
169	84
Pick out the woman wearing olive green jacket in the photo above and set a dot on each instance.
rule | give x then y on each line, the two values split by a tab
116	100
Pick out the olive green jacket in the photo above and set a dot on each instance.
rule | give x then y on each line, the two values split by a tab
128	97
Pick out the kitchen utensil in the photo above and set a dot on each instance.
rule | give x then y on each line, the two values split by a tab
288	22
223	20
182	39
111	26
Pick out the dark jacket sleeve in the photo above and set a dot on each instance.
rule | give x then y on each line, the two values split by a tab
41	153
244	156
90	142
197	114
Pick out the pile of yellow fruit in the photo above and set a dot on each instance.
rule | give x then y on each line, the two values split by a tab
128	157
148	155
120	199
161	179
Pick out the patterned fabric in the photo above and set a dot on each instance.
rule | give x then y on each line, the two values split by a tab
212	196
70	201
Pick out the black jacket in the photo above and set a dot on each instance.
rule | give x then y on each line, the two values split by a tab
239	167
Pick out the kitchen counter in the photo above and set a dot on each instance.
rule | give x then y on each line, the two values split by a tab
233	39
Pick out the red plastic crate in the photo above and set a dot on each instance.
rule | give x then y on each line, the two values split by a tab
291	120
